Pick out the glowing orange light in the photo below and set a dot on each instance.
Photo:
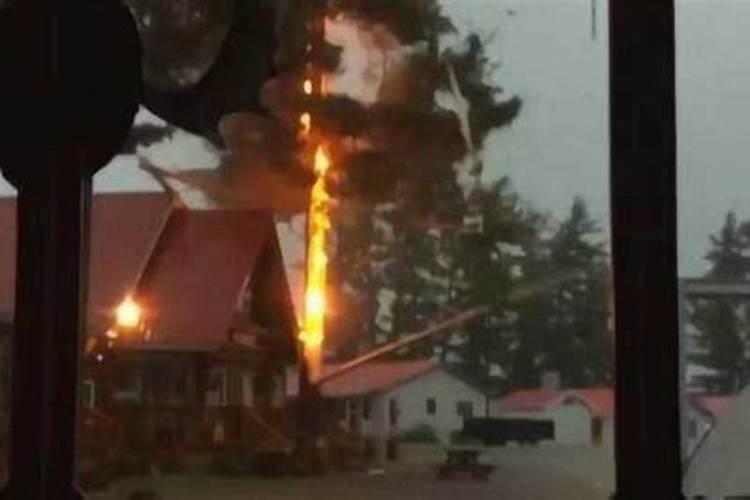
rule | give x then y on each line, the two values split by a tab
318	224
313	327
322	163
128	314
306	121
315	303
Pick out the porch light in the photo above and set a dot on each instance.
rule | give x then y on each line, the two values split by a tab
128	314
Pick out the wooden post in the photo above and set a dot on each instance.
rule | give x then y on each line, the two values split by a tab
49	316
66	124
644	248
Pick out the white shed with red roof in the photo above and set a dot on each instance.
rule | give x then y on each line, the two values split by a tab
581	416
384	399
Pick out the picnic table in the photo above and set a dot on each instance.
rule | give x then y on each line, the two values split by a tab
464	460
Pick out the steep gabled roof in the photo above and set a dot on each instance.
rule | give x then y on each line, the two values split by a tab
124	228
194	278
124	231
188	267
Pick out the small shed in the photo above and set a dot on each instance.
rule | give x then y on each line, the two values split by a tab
383	399
580	416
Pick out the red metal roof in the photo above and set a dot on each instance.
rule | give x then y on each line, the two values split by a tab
716	406
527	400
124	227
124	230
187	267
194	278
374	377
600	401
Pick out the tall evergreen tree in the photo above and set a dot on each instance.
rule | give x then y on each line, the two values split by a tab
489	262
406	175
565	329
529	349
720	327
727	253
719	346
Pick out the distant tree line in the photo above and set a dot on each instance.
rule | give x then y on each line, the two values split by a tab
547	285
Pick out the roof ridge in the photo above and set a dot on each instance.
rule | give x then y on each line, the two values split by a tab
148	258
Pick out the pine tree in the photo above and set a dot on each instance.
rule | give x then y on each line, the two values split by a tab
568	331
529	349
487	266
406	175
721	330
726	256
719	346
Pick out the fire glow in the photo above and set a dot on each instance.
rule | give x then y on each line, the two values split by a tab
307	87
128	314
306	122
313	331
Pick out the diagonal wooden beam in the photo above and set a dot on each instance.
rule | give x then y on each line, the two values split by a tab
438	328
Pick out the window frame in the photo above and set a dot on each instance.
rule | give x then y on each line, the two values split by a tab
643	202
643	167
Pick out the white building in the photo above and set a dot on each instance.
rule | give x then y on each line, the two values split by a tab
717	468
580	416
381	400
702	412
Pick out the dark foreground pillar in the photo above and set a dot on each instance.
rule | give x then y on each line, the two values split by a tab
69	92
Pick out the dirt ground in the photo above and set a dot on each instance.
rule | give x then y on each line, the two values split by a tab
542	473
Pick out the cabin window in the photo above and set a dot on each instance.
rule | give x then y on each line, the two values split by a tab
431	406
393	412
216	386
248	389
465	409
129	386
88	394
341	408
366	407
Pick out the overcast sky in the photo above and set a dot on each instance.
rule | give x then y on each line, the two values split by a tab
558	146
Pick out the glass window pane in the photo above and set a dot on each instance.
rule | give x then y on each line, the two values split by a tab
714	210
390	268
